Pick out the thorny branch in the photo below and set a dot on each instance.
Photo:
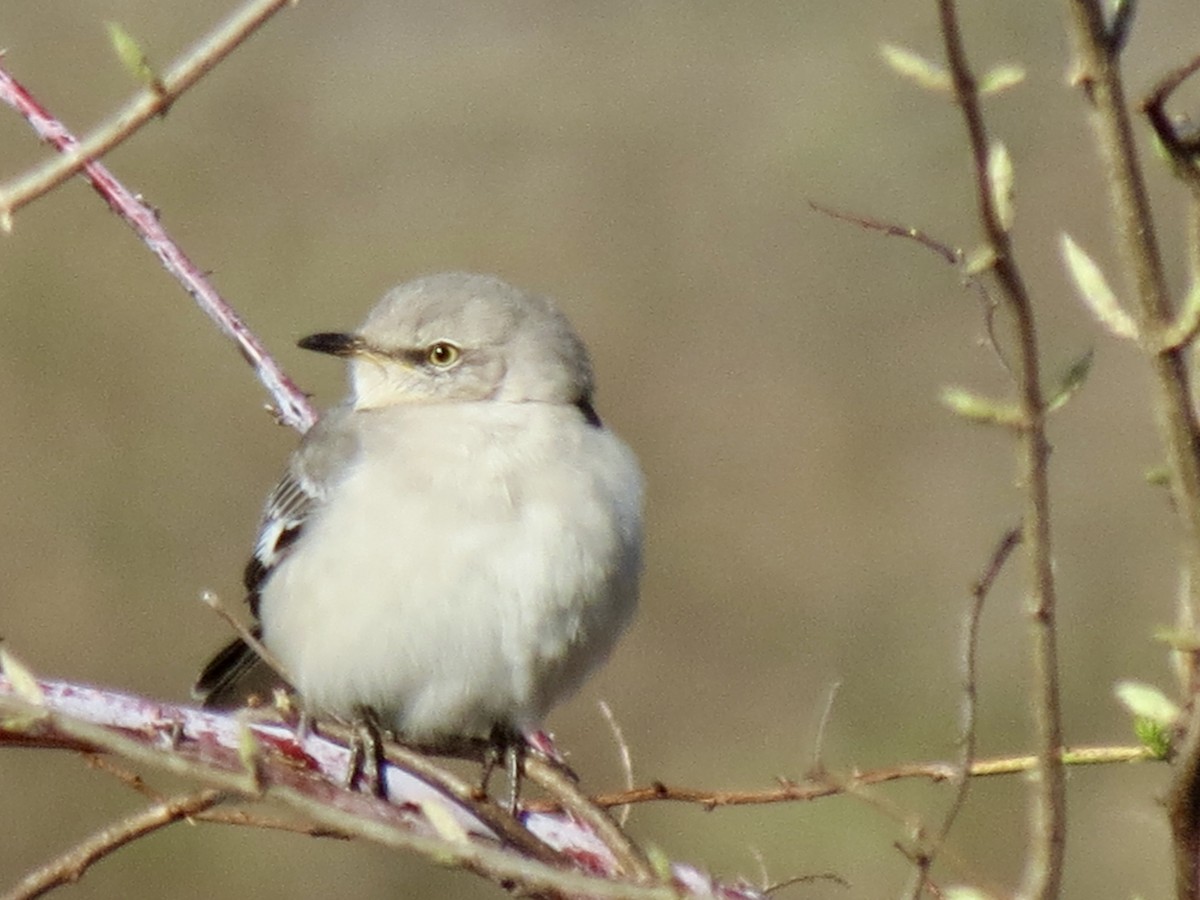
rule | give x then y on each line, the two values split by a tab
306	774
255	756
292	404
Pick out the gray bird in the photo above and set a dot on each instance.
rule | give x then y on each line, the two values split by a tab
456	546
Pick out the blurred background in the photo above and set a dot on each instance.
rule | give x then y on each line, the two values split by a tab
815	517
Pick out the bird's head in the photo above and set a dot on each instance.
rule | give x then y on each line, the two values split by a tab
458	337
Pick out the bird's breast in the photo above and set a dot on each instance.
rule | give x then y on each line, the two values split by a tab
471	564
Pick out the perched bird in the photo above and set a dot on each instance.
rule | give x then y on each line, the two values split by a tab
457	545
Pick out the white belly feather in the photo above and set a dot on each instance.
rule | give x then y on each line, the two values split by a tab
450	593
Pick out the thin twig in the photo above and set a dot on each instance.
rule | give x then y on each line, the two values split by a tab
626	756
952	255
968	738
1045	870
807	879
789	791
70	866
245	819
147	104
1183	151
131	780
292	405
817	766
213	602
1180	149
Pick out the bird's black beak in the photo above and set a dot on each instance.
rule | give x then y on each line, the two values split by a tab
334	343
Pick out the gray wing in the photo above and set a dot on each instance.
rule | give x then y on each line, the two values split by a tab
236	671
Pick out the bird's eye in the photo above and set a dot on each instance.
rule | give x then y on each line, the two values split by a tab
443	354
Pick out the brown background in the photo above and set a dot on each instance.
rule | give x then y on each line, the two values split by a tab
814	515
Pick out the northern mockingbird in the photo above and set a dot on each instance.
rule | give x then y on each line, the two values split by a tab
457	545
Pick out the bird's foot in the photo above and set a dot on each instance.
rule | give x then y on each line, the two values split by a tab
510	746
368	763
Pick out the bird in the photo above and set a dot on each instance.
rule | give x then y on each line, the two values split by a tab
457	545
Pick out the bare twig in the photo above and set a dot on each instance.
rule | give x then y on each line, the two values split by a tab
246	819
204	744
131	780
807	879
213	601
626	757
1183	151
952	255
293	407
979	591
147	104
817	766
217	815
70	866
788	791
1044	874
968	739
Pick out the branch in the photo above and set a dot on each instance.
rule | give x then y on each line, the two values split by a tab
1097	67
1044	875
628	856
831	786
147	104
69	868
969	738
256	758
1182	150
292	404
953	255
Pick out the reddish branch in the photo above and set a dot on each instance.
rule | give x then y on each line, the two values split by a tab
291	403
251	755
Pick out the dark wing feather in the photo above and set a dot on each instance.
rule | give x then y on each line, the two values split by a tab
288	508
236	671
